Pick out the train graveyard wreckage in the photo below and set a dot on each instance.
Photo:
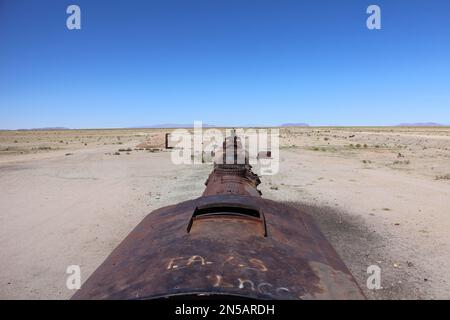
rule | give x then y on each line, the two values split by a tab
228	243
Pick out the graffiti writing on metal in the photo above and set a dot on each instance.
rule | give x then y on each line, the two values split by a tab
244	266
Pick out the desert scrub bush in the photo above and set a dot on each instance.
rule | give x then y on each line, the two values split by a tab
443	177
401	162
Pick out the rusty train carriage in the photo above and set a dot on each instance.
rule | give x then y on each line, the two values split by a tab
230	242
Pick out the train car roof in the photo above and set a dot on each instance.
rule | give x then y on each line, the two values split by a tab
227	245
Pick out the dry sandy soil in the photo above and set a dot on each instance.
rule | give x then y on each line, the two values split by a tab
380	195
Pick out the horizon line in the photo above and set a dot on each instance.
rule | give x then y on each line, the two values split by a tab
208	126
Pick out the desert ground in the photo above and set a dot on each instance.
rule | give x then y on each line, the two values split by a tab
381	195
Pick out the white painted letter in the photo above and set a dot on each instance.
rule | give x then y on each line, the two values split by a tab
74	20
374	20
74	280
182	151
374	280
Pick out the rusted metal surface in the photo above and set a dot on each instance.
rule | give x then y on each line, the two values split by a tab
231	242
232	173
167	139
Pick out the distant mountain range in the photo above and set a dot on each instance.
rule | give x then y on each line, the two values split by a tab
172	126
205	125
421	124
294	125
44	129
289	124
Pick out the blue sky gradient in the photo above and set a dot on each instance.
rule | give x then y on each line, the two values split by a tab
225	62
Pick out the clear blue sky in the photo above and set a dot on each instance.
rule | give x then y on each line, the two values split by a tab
225	62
